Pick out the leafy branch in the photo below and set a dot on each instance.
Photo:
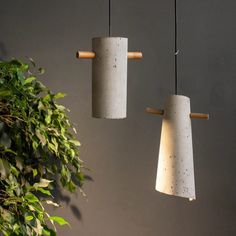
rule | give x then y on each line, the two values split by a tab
36	141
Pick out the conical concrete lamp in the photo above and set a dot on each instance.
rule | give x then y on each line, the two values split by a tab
175	171
109	74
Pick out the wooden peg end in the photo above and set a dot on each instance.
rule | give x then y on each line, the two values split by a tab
199	116
155	111
85	55
135	55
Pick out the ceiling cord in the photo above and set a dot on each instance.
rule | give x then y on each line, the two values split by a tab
109	17
176	49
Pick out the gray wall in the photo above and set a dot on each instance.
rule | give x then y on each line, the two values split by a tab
122	154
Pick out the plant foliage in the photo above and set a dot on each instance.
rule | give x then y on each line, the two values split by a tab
37	147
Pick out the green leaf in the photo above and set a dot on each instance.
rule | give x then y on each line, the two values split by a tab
80	176
47	98
29	80
29	218
59	95
4	92
49	202
15	171
52	147
35	172
48	232
75	142
43	183
4	168
36	207
41	137
44	191
54	141
16	227
39	228
60	107
24	67
41	106
10	151
19	163
31	198
59	220
21	77
7	216
74	129
41	71
48	117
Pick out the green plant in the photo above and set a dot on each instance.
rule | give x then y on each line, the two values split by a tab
36	141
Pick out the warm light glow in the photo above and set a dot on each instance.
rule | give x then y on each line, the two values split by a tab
175	174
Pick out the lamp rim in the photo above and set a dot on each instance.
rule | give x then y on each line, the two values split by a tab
106	37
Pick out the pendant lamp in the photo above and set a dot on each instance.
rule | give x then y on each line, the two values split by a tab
175	171
109	74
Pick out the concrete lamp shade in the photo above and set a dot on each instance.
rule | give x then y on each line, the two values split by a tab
175	171
109	76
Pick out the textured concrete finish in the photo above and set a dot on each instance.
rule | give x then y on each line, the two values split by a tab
122	154
175	173
109	77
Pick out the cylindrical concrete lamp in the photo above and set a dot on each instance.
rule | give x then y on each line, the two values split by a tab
175	171
109	76
109	73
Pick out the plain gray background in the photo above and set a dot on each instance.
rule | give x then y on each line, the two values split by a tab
123	154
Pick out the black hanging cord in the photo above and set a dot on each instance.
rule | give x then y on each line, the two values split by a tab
109	24
176	49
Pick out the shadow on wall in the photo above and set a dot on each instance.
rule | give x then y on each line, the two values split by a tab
61	196
3	51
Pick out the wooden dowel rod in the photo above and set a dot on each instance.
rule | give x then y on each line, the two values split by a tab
85	55
199	116
135	55
91	55
192	115
155	111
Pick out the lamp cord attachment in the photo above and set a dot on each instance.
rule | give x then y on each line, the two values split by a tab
176	48
109	18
